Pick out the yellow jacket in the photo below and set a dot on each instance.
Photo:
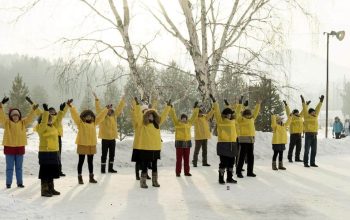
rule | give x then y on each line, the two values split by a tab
57	120
109	127
279	131
183	130
246	126
15	133
201	126
311	122
87	131
147	137
296	125
48	135
226	128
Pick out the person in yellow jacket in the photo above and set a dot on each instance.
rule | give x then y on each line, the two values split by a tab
147	142
295	130
246	138
108	132
57	122
15	140
279	140
86	138
311	130
226	147
48	153
183	142
201	136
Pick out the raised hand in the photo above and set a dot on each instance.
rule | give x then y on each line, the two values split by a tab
212	97
240	101
45	107
308	102
169	103
302	99
110	106
35	107
195	104
285	103
62	106
321	98
246	103
29	100
4	100
226	102
69	102
136	101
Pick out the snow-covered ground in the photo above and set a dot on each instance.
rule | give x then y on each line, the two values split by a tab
298	192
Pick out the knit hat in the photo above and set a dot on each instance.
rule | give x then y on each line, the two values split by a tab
15	111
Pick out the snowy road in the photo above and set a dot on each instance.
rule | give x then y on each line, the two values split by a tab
307	193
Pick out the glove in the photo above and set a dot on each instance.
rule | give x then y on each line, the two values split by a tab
35	106
4	100
169	103
195	104
285	103
109	106
45	107
29	100
240	101
212	97
246	103
308	102
226	102
69	102
136	101
321	98
302	99
62	106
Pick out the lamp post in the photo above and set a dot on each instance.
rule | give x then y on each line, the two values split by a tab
340	36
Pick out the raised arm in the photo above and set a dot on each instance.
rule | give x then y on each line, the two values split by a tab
318	107
136	113
62	112
210	114
195	112
101	116
286	108
256	110
2	113
120	107
273	121
173	116
165	113
217	113
30	117
44	120
97	103
75	115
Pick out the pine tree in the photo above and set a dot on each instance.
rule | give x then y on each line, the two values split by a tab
18	94
271	104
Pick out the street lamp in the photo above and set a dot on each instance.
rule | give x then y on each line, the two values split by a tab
340	36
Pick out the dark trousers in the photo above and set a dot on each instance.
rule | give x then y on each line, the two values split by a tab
90	159
278	153
145	166
108	146
310	142
337	135
247	149
226	163
198	145
295	140
182	153
60	152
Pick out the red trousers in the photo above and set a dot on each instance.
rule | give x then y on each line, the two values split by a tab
182	153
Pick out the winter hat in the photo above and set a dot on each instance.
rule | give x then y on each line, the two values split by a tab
295	111
311	110
52	109
183	116
15	111
86	113
247	112
227	111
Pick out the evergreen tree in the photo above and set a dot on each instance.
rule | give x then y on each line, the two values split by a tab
271	104
346	98
18	94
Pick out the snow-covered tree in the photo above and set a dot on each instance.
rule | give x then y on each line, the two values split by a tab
18	94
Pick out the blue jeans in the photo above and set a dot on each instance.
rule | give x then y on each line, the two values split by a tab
14	160
310	142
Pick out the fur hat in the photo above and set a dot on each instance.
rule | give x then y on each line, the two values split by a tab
15	111
295	111
85	113
155	116
183	116
227	111
247	112
311	110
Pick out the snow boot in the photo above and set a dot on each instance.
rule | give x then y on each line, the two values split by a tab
91	178
52	188
274	166
45	192
155	179
298	160
103	168
110	168
229	178
306	165
143	180
194	163
80	179
221	176
251	174
280	166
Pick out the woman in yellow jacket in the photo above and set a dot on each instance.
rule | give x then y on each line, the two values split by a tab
48	153
15	140
86	138
279	140
147	143
246	138
183	142
226	147
108	132
311	130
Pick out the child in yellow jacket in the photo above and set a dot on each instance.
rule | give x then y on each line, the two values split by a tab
108	132
15	140
147	144
279	140
48	153
183	142
86	138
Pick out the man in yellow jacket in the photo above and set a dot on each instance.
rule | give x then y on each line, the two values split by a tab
201	136
311	130
279	140
108	133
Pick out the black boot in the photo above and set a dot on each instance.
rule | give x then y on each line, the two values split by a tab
221	176
229	178
52	188
45	192
155	179
80	179
91	178
103	168
110	168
